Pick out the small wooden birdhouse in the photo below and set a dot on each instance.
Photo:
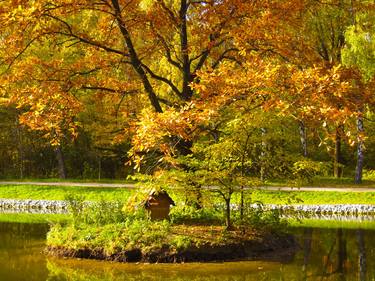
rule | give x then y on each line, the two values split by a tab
158	204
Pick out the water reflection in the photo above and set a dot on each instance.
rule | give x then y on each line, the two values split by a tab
20	252
337	254
361	254
325	254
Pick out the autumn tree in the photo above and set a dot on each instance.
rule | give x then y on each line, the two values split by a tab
161	72
326	25
151	49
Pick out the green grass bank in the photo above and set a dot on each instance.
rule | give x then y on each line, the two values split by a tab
122	194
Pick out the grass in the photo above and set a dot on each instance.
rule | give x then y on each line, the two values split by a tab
122	194
317	223
107	229
34	218
104	180
326	182
61	192
311	197
148	236
316	181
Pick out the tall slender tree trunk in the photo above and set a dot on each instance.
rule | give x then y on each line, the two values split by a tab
99	168
20	150
60	162
337	166
263	155
360	150
303	137
228	222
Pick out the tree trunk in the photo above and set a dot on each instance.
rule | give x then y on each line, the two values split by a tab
303	137
337	168
242	203
360	151
20	150
60	162
99	168
228	222
263	155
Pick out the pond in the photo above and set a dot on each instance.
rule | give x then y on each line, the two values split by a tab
325	254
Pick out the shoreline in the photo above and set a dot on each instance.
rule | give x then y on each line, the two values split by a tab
270	246
61	207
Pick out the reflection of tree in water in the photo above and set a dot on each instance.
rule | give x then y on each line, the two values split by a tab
337	254
307	241
361	254
341	254
335	261
20	247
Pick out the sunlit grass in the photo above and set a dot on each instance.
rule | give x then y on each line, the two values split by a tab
61	192
324	182
104	180
38	192
34	218
312	197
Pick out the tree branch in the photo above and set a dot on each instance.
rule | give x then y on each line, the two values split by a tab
135	61
224	56
70	33
163	79
167	50
110	90
170	13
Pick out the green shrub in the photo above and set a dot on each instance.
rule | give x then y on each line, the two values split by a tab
305	170
76	207
181	242
369	174
98	213
189	214
257	217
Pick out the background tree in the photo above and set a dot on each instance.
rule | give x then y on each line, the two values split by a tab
360	52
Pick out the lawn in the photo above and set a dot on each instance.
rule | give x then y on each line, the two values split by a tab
313	197
34	218
122	194
61	192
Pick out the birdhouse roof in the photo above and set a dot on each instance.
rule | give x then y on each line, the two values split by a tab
160	195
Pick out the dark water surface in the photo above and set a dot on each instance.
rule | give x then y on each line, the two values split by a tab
325	254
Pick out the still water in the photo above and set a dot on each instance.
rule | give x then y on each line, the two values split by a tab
325	254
